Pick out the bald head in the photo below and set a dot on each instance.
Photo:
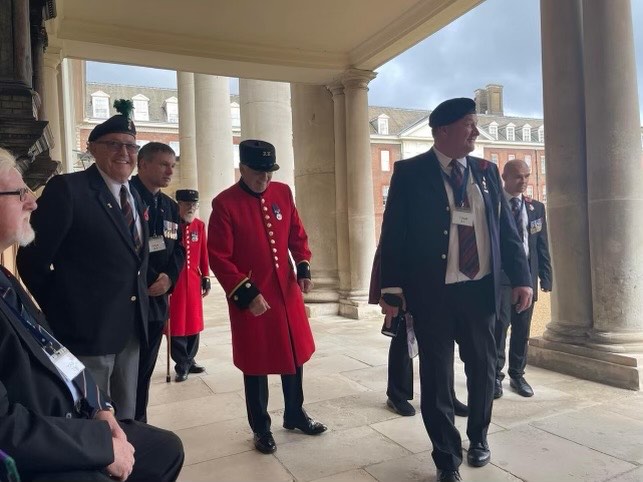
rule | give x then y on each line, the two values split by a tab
515	175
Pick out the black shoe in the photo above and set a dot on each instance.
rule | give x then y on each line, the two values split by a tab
521	387
181	377
460	409
196	368
448	476
497	389
478	454
307	425
264	443
403	407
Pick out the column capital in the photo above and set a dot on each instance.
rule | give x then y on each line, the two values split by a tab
53	57
336	88
357	79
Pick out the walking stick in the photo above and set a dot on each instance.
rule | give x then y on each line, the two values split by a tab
168	336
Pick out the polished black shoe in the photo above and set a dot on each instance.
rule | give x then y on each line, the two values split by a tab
460	409
181	377
403	407
264	443
497	389
308	426
448	476
196	368
478	454
521	387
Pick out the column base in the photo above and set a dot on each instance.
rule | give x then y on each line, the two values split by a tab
322	309
617	369
357	308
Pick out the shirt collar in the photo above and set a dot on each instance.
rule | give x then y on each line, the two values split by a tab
509	197
445	160
114	186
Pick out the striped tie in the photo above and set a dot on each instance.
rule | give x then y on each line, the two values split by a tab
469	263
516	209
126	207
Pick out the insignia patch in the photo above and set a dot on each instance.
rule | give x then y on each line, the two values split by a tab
194	237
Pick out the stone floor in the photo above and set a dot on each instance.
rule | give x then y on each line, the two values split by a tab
571	430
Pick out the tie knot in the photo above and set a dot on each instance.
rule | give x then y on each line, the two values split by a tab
454	164
515	202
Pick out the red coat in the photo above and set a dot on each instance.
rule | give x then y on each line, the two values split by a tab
250	238
186	305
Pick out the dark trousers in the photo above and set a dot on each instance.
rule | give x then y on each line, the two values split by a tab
184	350
146	364
256	387
519	339
464	314
159	458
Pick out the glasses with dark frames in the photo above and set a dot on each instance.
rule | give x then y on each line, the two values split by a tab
116	146
22	192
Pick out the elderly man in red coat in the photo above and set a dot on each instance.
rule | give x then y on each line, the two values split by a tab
253	230
186	308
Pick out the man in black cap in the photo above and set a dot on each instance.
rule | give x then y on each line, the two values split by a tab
186	305
88	266
447	230
254	230
156	163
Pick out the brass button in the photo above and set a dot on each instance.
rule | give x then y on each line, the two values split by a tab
247	285
267	217
133	298
272	241
276	265
274	250
444	256
265	208
263	201
276	258
269	225
270	233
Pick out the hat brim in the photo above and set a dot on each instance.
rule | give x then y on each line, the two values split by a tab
272	168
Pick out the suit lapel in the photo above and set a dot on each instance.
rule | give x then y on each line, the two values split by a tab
433	173
483	183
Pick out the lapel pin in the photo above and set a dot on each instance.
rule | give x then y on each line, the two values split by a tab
109	205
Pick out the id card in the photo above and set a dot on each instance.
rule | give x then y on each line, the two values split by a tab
67	363
462	217
157	243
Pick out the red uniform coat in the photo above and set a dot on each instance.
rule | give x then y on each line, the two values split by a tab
250	238
186	305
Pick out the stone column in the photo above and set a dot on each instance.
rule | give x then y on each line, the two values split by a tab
614	176
314	148
69	133
359	191
213	139
187	130
266	115
51	103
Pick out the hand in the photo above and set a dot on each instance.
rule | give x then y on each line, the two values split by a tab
160	286
305	284
545	290
108	416
205	293
259	305
391	311
123	464
521	297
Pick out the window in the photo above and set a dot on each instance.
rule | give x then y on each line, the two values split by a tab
541	134
543	168
141	109
494	158
141	142
385	160
544	196
235	114
526	133
176	146
100	105
235	155
511	132
528	161
384	195
382	124
172	110
511	157
530	191
493	130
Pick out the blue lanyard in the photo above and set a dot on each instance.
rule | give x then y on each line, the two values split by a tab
460	196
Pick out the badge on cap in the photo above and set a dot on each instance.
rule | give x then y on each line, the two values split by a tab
277	211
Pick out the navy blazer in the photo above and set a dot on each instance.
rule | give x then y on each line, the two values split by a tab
415	231
83	268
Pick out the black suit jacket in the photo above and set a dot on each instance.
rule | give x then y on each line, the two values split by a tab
95	297
539	259
39	425
415	231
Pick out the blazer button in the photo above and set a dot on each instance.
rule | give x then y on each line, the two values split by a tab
272	241
236	298
138	272
446	233
274	250
265	208
267	217
444	256
447	208
68	415
133	298
276	265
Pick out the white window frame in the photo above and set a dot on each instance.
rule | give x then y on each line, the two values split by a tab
172	110
527	160
176	147
511	132
493	130
541	134
385	160
141	108
382	124
543	165
526	133
530	191
544	196
385	194
494	158
235	114
511	157
98	98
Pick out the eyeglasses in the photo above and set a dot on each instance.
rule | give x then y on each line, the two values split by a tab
116	146
22	192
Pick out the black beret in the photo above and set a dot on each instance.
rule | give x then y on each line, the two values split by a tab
258	155
187	195
119	124
451	110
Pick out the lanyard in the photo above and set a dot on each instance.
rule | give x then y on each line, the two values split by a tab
459	195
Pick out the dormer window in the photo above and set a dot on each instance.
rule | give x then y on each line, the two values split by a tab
382	124
541	134
511	132
141	108
526	133
172	110
493	130
235	114
100	105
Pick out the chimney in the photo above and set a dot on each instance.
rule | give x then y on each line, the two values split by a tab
482	101
494	99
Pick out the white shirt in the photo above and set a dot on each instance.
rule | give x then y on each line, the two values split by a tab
524	220
476	203
115	188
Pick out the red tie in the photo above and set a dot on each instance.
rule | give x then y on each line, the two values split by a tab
469	263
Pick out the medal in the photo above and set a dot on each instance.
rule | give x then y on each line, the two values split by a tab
277	212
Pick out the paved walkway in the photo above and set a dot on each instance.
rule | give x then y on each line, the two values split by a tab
571	430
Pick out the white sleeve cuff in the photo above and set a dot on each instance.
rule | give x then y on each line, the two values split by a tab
395	290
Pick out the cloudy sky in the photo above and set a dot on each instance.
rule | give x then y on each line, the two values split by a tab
495	43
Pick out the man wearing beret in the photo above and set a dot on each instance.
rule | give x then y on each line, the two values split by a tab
254	229
186	306
88	265
446	233
156	163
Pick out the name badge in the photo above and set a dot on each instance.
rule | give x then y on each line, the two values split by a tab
536	226
462	217
67	363
157	243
